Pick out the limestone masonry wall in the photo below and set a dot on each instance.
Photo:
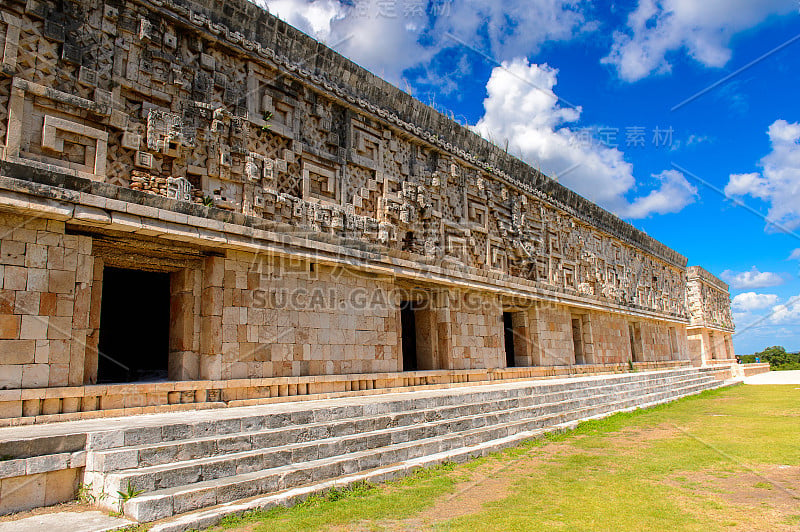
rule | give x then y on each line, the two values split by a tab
45	303
553	339
471	324
294	201
278	322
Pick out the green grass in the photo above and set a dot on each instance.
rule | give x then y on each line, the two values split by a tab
401	498
675	466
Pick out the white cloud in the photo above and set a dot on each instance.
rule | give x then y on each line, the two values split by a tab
370	37
795	255
701	28
779	182
750	301
694	140
751	279
742	319
523	108
391	37
788	313
747	184
508	28
673	194
315	17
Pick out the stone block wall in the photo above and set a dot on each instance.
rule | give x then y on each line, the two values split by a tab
553	344
706	345
45	303
473	325
611	338
266	317
546	332
186	297
660	343
39	489
242	315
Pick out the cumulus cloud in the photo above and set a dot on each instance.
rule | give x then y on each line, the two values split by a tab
391	37
751	279
522	108
747	184
364	31
506	28
779	182
672	195
787	313
701	29
314	17
750	301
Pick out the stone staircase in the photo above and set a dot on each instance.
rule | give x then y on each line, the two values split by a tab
204	463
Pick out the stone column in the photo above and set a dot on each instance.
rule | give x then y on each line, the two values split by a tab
440	303
93	338
75	280
729	345
211	319
534	336
523	346
427	343
705	348
588	339
184	363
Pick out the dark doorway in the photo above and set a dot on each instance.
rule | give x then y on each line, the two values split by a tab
134	326
508	327
409	326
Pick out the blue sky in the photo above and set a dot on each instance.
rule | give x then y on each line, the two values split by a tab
595	94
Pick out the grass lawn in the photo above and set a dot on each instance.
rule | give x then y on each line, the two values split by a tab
724	460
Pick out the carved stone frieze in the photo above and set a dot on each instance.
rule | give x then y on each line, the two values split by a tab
205	114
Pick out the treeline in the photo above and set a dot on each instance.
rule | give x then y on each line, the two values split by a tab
777	357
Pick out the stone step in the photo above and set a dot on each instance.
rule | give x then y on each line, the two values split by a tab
170	474
231	422
210	516
191	495
207	456
287	476
299	414
195	448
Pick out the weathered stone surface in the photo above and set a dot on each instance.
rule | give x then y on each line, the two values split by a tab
465	419
296	208
711	324
89	521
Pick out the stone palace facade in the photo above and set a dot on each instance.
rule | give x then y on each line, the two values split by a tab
196	194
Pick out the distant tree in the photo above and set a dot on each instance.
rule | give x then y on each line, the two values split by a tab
775	353
778	358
